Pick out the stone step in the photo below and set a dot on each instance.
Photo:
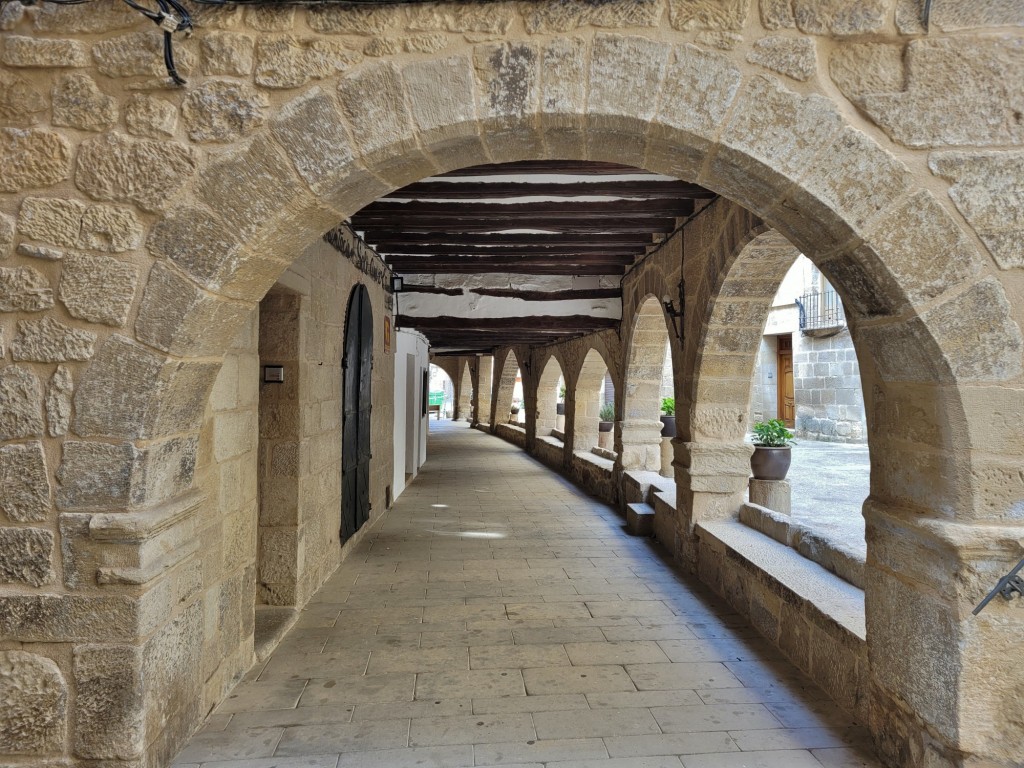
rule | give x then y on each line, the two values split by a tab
272	623
640	519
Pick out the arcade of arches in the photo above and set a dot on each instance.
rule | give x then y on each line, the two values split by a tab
164	496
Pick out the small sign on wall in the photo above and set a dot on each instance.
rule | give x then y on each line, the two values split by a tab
273	374
387	334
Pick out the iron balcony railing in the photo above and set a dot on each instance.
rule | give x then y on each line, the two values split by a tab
820	310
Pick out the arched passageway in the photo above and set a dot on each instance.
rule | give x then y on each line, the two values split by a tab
590	398
548	397
158	250
649	354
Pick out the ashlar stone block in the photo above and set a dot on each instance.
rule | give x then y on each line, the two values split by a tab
708	14
98	288
6	235
793	57
226	53
33	704
32	158
109	713
58	401
150	116
50	341
115	167
313	135
223	111
547	18
289	62
26	484
23	51
78	102
25	556
21	403
840	17
137	54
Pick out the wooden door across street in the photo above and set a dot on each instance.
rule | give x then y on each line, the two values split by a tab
787	394
355	429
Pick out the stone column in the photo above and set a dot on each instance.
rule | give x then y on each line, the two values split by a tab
775	495
641	444
482	385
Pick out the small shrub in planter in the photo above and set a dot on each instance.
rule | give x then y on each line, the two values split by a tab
668	417
772	457
607	417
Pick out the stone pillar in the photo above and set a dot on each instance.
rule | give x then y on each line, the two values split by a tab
667	455
641	444
775	495
482	386
945	685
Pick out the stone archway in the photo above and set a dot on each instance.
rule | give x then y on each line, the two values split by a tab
547	396
588	394
504	385
647	348
219	227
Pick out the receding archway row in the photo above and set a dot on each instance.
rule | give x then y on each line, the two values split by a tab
932	322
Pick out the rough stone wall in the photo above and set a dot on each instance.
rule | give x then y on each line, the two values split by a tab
826	381
141	224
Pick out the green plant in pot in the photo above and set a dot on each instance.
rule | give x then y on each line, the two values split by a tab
607	417
772	456
560	407
668	417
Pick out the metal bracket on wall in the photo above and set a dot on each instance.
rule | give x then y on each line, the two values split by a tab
1011	584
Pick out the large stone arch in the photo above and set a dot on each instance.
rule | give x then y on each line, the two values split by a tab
204	231
507	367
586	397
551	371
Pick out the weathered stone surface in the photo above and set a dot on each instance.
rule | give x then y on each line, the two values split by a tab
223	111
289	62
33	704
79	103
708	14
988	188
6	235
139	53
840	17
21	403
311	131
118	168
227	53
373	99
40	252
11	15
96	475
179	317
383	46
793	57
194	240
723	41
105	17
358	20
25	555
19	51
862	68
971	14
618	88
567	16
962	91
58	401
777	14
20	100
67	618
98	288
50	341
492	18
274	18
26	496
109	710
32	158
150	116
24	289
74	224
426	43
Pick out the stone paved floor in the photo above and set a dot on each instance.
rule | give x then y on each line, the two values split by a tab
499	616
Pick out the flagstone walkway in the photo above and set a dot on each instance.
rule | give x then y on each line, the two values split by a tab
499	616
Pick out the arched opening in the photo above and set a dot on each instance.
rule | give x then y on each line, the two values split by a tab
357	408
440	394
649	379
591	396
508	399
465	405
548	389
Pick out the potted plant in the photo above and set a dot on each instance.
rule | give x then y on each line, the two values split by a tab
514	412
560	407
607	417
668	417
772	456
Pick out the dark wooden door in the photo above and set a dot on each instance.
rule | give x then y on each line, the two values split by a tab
355	429
787	393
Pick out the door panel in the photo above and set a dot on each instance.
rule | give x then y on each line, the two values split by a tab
356	409
787	393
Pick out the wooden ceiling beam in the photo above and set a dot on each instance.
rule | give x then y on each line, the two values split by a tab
392	212
576	167
593	225
393	238
567	295
529	323
513	251
569	270
647	190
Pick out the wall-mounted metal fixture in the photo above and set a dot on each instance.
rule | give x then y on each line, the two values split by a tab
397	283
1011	584
273	374
676	314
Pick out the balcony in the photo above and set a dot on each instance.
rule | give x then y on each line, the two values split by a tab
821	313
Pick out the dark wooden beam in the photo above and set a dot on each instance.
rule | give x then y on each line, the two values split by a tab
391	212
593	225
567	295
577	167
529	324
390	238
514	269
412	288
648	190
512	251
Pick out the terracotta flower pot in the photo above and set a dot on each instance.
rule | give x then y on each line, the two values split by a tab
770	463
668	425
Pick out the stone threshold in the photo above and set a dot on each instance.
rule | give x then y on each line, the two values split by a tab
272	624
844	562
